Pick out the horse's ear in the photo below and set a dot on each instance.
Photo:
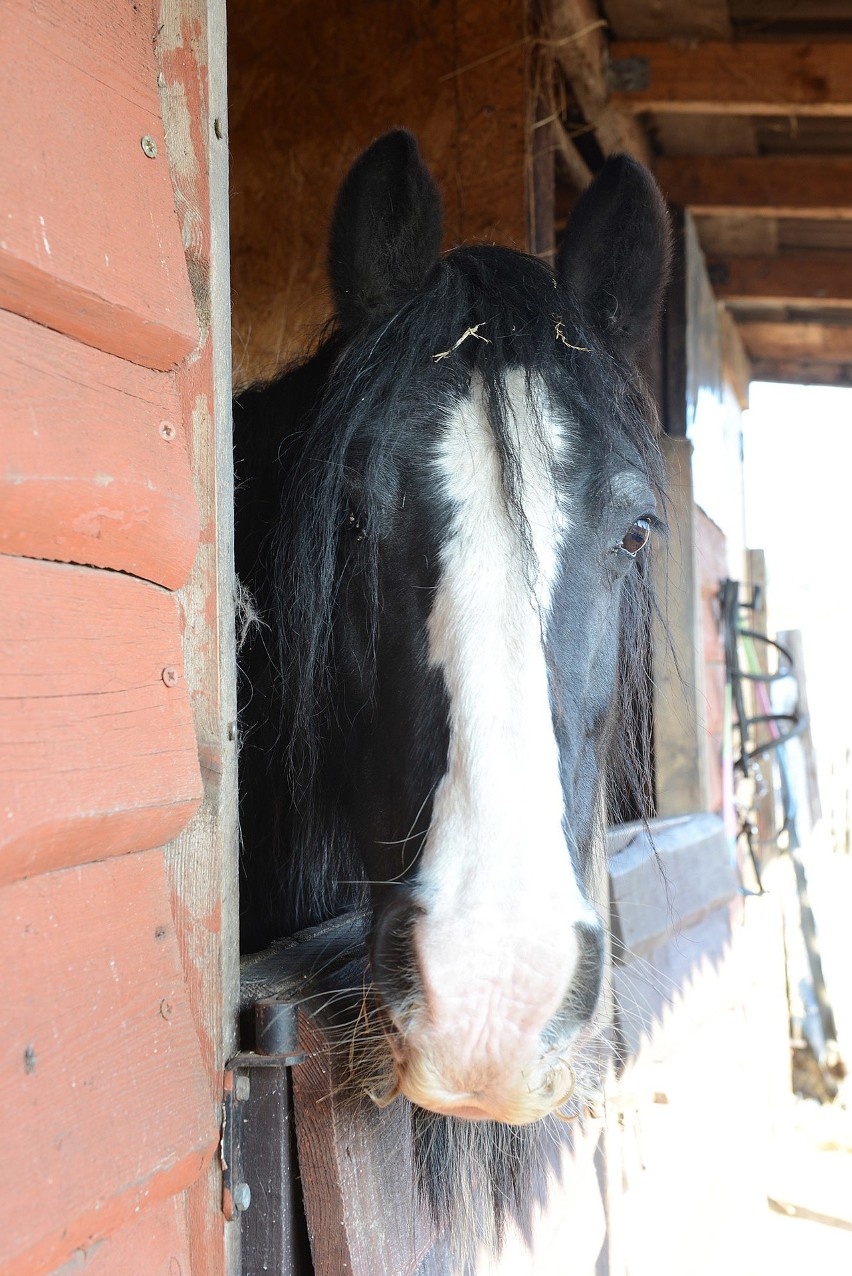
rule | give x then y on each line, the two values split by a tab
615	253
386	230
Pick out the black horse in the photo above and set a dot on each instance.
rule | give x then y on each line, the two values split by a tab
442	521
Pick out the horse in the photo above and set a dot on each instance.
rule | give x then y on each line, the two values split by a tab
444	517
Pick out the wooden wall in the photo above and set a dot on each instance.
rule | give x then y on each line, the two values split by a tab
110	1052
312	85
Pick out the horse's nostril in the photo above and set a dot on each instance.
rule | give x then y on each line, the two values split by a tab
394	968
585	990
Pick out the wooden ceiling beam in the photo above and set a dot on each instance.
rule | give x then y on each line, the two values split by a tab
801	280
743	78
661	19
802	372
816	342
573	34
814	186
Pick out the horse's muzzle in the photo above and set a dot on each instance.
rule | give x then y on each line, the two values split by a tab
486	1037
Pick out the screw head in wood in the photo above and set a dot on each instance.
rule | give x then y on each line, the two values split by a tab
167	430
241	1196
170	676
149	146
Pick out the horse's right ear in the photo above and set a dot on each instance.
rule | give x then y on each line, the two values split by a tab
385	232
615	254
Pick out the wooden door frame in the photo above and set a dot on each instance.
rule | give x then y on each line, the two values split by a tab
191	51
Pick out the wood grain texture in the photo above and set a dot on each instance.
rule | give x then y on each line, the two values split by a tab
813	186
89	241
94	464
797	371
203	860
154	1243
668	19
575	39
711	553
818	342
104	1095
311	86
740	78
680	741
805	279
97	753
357	1172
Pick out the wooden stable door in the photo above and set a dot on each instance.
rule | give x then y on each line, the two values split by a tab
115	763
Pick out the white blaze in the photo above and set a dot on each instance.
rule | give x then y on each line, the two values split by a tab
496	946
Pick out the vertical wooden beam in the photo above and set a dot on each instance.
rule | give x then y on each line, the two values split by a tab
541	188
674	377
680	738
190	49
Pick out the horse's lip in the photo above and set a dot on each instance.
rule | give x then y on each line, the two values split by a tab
470	1112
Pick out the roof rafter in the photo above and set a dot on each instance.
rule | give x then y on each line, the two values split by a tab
801	280
741	78
573	33
816	342
816	186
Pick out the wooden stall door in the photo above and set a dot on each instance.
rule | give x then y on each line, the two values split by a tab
110	692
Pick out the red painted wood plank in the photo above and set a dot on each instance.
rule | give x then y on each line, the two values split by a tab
105	1105
191	60
89	239
154	1244
94	466
97	753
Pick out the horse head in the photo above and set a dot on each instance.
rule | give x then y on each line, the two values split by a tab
458	514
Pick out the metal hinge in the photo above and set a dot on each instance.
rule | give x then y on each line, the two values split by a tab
277	1047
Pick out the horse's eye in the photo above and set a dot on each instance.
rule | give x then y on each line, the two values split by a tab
637	537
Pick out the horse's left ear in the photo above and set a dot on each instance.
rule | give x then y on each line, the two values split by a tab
385	232
615	254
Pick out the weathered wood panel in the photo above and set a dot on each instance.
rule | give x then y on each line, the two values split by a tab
202	861
669	19
741	78
573	35
311	86
680	740
806	279
814	186
89	241
814	341
105	1105
357	1172
97	750
94	462
153	1244
705	134
712	563
795	371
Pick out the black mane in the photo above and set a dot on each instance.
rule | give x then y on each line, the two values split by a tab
344	412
